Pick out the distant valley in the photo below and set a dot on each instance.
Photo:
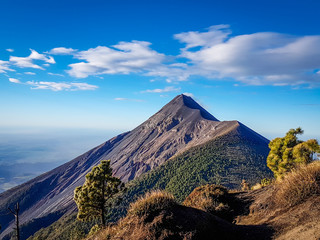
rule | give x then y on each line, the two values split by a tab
27	153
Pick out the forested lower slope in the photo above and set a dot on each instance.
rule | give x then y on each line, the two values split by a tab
239	154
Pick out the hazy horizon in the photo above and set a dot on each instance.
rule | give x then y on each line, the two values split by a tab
28	152
26	155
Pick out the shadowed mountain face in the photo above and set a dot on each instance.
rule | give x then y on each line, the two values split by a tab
178	126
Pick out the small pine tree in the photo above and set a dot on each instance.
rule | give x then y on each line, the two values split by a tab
99	188
288	152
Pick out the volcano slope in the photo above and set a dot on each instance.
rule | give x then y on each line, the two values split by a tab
179	126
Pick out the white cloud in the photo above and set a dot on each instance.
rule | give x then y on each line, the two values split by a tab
215	35
56	86
128	99
28	62
61	86
62	51
55	74
263	58
4	66
123	58
188	94
159	90
9	50
257	59
14	80
30	73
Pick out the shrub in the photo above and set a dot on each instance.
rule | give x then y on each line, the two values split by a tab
96	228
256	186
266	181
288	153
298	185
210	198
151	203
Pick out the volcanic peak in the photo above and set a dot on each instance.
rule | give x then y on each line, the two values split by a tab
182	105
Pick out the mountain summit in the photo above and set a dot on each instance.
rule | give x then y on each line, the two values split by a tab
183	106
177	127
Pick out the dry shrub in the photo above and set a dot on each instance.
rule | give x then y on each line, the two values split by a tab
157	216
256	186
151	203
298	185
264	183
141	221
210	198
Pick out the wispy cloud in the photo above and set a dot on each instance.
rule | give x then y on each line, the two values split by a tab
14	80
128	99
62	51
30	73
9	50
4	66
188	94
162	90
215	35
123	58
28	62
56	74
56	86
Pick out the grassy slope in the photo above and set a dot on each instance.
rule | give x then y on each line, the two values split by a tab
291	206
226	160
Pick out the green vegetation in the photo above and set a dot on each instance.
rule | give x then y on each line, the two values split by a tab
266	182
288	152
96	228
94	196
67	227
225	160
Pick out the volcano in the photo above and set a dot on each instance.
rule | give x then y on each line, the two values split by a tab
177	127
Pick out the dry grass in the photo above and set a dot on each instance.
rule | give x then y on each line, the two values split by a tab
152	202
134	225
210	198
101	235
298	185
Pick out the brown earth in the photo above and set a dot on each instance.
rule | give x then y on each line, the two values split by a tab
181	222
257	216
300	222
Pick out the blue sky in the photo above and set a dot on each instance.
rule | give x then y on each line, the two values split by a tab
112	64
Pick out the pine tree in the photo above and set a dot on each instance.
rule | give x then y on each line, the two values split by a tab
94	196
288	152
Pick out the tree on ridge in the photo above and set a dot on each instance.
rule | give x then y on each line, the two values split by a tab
94	196
288	152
